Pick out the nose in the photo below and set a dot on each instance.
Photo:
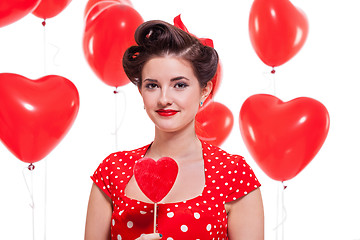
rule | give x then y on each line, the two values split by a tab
165	98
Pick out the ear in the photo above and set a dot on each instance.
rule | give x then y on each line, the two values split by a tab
205	92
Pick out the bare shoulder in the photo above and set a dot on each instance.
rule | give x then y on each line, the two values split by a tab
252	199
246	217
98	215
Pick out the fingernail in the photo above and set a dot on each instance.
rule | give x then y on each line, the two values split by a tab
160	235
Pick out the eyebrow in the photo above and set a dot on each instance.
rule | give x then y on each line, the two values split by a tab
179	78
150	80
172	80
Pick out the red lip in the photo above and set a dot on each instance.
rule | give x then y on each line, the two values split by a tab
166	112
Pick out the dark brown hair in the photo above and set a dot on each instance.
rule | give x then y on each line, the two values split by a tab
156	39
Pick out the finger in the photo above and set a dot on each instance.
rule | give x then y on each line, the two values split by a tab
152	236
157	235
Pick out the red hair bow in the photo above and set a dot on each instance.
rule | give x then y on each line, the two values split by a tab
207	42
178	23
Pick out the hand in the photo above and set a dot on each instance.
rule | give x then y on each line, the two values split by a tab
152	236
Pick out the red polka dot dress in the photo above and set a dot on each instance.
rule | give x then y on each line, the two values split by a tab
227	178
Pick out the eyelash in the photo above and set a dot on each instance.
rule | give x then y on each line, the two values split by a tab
181	85
151	85
177	85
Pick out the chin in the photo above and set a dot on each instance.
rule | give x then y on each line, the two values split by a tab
171	128
168	129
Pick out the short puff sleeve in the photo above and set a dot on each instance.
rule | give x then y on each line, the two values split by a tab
242	179
101	176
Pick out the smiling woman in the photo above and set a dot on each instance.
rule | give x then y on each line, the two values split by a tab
172	100
215	195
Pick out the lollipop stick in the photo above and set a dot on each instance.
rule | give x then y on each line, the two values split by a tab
155	215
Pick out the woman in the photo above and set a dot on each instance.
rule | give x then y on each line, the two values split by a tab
216	195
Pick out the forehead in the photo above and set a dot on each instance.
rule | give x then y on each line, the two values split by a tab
167	67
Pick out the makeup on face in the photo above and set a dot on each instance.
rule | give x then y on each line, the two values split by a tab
167	112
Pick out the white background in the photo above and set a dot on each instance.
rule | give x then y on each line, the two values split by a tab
322	202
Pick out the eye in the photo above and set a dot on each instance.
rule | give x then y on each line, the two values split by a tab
151	85
181	85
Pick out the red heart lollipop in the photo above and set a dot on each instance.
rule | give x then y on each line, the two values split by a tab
156	178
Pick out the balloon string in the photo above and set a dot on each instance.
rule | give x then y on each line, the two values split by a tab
45	160
55	55
45	50
273	80
45	197
283	212
30	190
270	82
277	213
117	123
44	46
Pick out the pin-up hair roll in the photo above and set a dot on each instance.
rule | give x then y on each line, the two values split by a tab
157	39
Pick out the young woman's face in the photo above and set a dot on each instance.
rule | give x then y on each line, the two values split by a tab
171	93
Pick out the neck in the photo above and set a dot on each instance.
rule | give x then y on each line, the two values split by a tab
177	145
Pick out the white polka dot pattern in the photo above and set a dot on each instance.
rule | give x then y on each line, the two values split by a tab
228	177
184	228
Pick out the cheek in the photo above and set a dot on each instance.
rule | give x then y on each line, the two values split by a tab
195	98
192	102
148	99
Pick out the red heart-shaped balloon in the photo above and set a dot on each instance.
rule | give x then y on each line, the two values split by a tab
96	9
13	10
50	8
91	4
214	123
35	114
277	29
283	137
155	178
109	31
